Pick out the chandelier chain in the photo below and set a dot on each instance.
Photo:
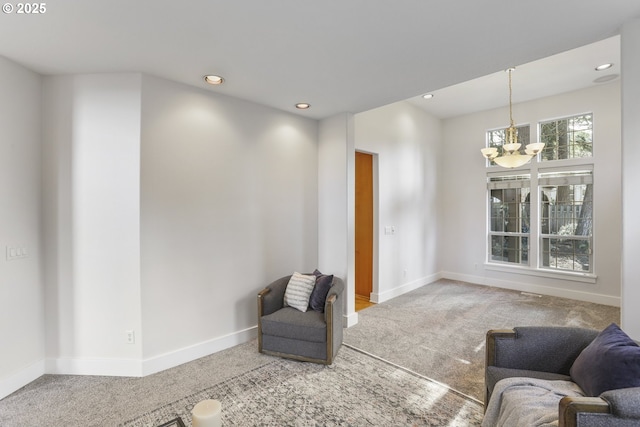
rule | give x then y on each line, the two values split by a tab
511	156
510	107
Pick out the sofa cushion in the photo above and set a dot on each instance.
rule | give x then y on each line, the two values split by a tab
287	346
299	290
291	323
610	362
320	291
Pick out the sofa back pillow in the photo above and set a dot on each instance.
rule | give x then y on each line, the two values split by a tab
610	362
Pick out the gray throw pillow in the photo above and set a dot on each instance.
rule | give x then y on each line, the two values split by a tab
320	291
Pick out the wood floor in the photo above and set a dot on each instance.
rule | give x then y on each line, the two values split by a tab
363	302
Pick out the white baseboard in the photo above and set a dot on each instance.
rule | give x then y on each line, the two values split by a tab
106	367
379	297
196	351
21	378
350	319
533	288
141	368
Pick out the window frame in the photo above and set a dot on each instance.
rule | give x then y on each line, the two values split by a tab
541	123
520	181
583	176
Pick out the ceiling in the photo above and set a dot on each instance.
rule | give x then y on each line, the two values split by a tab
563	72
337	55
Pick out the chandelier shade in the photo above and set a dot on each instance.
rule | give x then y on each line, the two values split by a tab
512	160
511	156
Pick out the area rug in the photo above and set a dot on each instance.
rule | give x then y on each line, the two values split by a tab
357	390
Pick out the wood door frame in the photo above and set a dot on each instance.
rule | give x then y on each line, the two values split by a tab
374	230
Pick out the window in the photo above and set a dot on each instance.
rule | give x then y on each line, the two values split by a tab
509	219
566	220
567	138
540	216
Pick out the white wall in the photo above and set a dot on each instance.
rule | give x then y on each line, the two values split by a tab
464	201
166	209
229	202
630	315
91	222
336	204
406	141
21	288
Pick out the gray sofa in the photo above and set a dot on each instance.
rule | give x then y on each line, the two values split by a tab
310	336
548	353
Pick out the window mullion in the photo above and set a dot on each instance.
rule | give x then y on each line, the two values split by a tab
534	208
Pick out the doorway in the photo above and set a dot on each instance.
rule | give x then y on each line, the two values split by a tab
363	229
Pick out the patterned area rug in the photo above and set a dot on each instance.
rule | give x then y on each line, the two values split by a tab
357	390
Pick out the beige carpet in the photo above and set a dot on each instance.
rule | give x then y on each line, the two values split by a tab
96	401
439	329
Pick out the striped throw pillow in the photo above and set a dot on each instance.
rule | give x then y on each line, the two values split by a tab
299	290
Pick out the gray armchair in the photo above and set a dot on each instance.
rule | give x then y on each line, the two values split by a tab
310	336
548	353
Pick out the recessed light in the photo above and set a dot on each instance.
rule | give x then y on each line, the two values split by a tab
427	96
213	79
604	67
303	106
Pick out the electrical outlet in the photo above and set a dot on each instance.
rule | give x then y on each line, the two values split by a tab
130	337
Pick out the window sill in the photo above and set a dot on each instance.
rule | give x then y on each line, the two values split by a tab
560	275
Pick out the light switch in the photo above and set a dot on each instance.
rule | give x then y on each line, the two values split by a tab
14	253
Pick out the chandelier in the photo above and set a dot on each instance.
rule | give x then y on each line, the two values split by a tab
511	156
